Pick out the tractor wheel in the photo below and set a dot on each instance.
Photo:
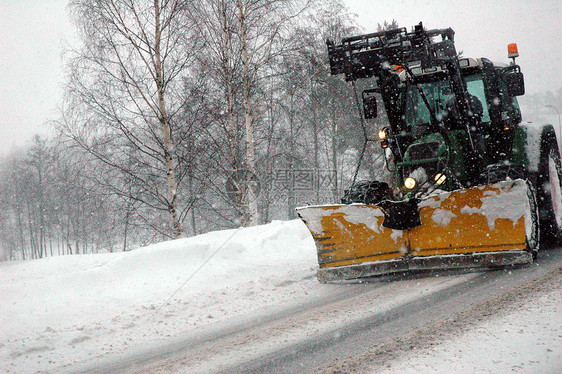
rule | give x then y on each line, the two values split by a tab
533	237
549	193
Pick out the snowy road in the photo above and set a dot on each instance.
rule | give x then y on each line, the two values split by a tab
348	327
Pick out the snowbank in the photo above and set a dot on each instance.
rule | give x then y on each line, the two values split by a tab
61	310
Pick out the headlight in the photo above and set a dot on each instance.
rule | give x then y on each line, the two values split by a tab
382	134
440	178
410	183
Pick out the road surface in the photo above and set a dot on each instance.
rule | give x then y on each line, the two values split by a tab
349	327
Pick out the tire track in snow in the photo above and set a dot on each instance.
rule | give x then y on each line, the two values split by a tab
285	331
340	350
374	360
344	325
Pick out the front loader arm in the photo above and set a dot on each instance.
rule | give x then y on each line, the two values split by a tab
364	56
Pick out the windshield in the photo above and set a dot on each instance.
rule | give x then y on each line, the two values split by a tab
438	94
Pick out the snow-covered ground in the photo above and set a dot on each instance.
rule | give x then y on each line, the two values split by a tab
59	312
527	340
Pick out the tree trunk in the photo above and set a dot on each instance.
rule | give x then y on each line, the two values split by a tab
291	203
316	161
232	130
191	193
20	231
251	213
164	122
334	154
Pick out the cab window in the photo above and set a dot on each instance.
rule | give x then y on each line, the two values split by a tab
475	87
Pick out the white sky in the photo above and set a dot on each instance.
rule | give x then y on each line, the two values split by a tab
31	41
32	35
484	28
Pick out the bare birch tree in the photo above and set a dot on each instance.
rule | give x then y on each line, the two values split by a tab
129	80
246	39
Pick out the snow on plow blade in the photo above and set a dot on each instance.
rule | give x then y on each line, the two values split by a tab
479	227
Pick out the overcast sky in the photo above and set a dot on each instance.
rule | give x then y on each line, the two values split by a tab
484	28
31	72
33	32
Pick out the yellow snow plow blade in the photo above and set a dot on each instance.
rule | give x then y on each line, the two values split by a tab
484	226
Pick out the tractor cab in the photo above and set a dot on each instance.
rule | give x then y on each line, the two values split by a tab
431	142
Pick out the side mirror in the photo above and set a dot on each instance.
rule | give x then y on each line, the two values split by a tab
370	104
515	83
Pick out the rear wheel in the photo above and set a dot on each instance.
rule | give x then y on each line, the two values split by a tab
549	193
533	234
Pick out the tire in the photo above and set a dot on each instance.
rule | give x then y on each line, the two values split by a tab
549	193
533	241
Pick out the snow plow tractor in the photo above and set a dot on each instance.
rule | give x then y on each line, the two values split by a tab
472	186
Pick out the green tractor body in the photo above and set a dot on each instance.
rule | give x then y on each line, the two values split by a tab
462	162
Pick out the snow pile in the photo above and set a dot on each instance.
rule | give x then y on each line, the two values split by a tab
358	214
442	217
533	144
508	200
79	307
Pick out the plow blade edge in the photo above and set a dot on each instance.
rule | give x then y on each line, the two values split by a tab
479	227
